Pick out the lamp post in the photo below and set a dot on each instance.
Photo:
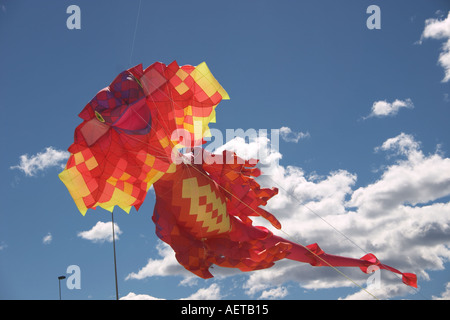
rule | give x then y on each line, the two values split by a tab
114	248
59	282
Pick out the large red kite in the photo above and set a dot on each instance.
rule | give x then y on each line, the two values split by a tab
129	140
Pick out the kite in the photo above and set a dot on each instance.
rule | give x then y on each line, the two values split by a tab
130	139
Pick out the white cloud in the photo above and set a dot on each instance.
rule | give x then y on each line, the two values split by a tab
274	293
383	292
417	180
210	293
290	136
166	266
47	238
41	161
134	296
437	29
404	144
383	108
259	148
101	232
440	29
445	295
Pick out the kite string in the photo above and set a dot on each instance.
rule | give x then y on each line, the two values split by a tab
135	30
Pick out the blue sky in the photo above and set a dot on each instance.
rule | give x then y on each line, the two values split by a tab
364	150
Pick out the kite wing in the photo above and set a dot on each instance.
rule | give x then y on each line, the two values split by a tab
132	129
183	100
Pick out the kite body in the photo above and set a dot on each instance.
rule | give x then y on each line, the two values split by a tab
129	141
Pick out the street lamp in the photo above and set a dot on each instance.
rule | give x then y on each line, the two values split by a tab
114	248
59	282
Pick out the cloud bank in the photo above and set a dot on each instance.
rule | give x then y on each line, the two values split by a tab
210	293
403	218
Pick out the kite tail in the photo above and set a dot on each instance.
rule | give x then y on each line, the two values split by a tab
316	257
